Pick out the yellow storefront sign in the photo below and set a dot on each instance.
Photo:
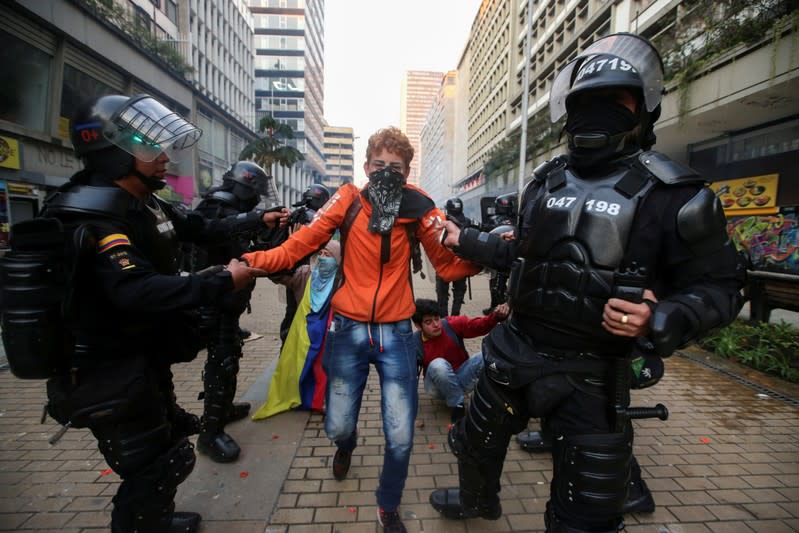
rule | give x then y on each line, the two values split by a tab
9	152
755	195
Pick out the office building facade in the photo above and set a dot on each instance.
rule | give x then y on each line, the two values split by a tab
418	90
437	142
289	73
339	164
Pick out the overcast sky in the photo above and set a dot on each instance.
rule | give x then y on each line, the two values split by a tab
370	43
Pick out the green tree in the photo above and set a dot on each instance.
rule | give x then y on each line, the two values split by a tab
271	146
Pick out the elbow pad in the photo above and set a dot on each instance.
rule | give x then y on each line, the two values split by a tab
685	317
478	246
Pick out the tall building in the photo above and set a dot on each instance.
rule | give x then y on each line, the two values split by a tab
437	143
338	156
218	40
418	90
289	72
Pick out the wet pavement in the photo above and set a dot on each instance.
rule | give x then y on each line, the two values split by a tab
727	460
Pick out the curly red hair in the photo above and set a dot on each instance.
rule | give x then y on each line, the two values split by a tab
392	140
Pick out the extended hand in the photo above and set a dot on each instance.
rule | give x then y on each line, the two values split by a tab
628	319
242	274
273	218
501	312
452	236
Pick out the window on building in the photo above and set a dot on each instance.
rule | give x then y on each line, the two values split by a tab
141	19
77	88
172	10
23	98
220	144
204	123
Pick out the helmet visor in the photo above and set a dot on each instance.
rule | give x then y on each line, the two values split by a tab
268	190
145	128
634	49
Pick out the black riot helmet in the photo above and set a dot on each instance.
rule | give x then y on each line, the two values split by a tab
505	205
454	206
248	182
110	132
314	197
620	60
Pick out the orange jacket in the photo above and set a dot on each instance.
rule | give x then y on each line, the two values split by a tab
371	291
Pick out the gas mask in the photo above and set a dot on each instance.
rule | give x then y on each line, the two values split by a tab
385	194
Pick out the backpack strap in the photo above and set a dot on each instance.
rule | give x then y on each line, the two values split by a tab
344	231
451	334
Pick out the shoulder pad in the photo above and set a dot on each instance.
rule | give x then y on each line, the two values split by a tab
89	200
668	171
225	197
219	197
701	223
540	172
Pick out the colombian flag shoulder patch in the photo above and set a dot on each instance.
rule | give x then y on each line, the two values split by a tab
112	241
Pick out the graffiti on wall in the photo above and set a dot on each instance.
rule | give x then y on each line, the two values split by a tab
771	241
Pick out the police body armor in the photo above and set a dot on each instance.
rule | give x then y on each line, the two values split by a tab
574	238
38	274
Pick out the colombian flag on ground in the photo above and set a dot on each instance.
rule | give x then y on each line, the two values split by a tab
299	381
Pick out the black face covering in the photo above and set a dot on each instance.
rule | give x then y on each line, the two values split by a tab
598	132
151	182
385	193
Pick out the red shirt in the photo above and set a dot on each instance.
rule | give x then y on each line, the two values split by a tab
444	346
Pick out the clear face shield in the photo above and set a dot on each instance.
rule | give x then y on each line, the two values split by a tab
636	50
268	190
145	128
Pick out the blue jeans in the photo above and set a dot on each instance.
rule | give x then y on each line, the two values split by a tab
349	349
442	382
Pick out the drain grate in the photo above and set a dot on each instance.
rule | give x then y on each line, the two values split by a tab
735	377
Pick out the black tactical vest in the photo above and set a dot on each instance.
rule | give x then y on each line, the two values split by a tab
574	235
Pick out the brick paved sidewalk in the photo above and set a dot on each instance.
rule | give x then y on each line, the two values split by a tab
726	460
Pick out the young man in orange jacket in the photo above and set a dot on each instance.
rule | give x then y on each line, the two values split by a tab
373	305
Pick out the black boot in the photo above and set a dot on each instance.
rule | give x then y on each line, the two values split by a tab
639	498
449	503
185	522
534	441
238	410
221	447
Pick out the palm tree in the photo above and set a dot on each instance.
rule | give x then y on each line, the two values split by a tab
271	147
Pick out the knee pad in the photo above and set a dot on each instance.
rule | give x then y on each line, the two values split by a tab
591	476
171	468
128	448
493	416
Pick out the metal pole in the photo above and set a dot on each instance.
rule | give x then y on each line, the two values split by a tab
525	91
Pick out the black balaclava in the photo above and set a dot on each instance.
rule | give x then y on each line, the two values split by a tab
114	163
599	130
151	182
109	165
384	193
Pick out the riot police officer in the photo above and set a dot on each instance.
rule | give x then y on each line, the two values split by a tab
127	310
242	188
454	210
504	216
613	242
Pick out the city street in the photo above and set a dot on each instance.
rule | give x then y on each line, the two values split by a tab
726	460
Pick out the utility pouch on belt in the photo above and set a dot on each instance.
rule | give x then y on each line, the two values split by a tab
34	277
101	395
